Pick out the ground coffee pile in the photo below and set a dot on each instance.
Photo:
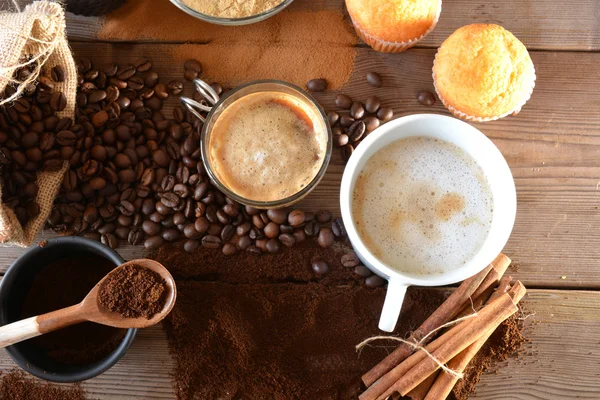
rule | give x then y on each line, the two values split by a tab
133	291
62	284
296	45
256	327
16	385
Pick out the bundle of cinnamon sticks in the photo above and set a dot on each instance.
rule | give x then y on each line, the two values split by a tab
416	374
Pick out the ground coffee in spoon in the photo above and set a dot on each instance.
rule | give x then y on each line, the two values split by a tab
133	291
62	284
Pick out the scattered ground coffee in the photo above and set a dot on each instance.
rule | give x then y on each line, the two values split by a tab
251	327
61	284
278	341
133	292
16	385
294	46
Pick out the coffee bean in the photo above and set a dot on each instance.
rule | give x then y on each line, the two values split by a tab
211	242
151	228
338	228
191	246
58	73
373	104
323	216
371	123
357	110
347	151
278	216
175	87
374	79
271	230
385	114
326	238
190	232
342	101
311	229
161	158
109	240
244	242
153	242
317	85
350	260
227	233
97	96
287	239
58	101
346	121
135	237
273	246
193	64
356	131
202	224
341	140
171	234
190	74
229	249
363	271
426	98
333	118
296	218
100	118
320	267
375	281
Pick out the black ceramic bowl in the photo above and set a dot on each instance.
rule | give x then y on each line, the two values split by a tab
16	284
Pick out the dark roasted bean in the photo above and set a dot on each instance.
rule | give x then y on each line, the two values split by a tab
374	79
375	281
211	242
317	85
350	260
320	267
338	228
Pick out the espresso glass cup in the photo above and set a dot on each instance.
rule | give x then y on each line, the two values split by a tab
252	19
500	181
257	87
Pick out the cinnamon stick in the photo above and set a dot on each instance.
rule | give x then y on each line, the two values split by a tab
448	310
444	383
420	392
488	318
383	383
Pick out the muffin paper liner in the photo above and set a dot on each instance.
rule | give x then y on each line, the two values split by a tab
384	46
473	118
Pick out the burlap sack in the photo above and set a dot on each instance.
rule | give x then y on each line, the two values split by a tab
36	35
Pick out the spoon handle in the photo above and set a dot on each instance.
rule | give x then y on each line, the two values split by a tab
35	326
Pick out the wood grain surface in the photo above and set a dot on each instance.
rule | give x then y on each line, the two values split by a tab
541	25
552	366
552	147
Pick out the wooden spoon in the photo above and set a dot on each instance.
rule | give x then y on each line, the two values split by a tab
89	310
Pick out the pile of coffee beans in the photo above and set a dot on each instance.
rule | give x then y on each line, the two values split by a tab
358	120
137	176
32	138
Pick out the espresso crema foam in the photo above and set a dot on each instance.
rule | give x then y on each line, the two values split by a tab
422	206
267	146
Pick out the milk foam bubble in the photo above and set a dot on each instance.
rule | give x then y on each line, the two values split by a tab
422	206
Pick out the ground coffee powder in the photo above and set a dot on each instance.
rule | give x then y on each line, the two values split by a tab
133	291
16	385
295	46
256	327
61	284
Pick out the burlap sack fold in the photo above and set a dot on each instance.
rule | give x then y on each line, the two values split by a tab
38	35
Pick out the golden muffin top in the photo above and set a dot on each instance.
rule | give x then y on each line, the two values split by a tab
394	20
484	71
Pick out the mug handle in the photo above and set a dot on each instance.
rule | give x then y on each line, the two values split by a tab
392	305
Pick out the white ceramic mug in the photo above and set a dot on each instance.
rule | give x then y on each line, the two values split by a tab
495	168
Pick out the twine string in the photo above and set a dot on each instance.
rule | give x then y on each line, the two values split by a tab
419	345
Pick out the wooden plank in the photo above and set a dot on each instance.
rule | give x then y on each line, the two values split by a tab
560	362
552	146
541	25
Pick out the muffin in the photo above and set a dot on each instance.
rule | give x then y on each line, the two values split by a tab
392	26
482	72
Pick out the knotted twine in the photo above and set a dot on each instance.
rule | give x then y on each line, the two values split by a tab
420	345
35	36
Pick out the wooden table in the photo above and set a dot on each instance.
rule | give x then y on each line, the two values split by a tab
552	147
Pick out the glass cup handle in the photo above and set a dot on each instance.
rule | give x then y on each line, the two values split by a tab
210	99
392	305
